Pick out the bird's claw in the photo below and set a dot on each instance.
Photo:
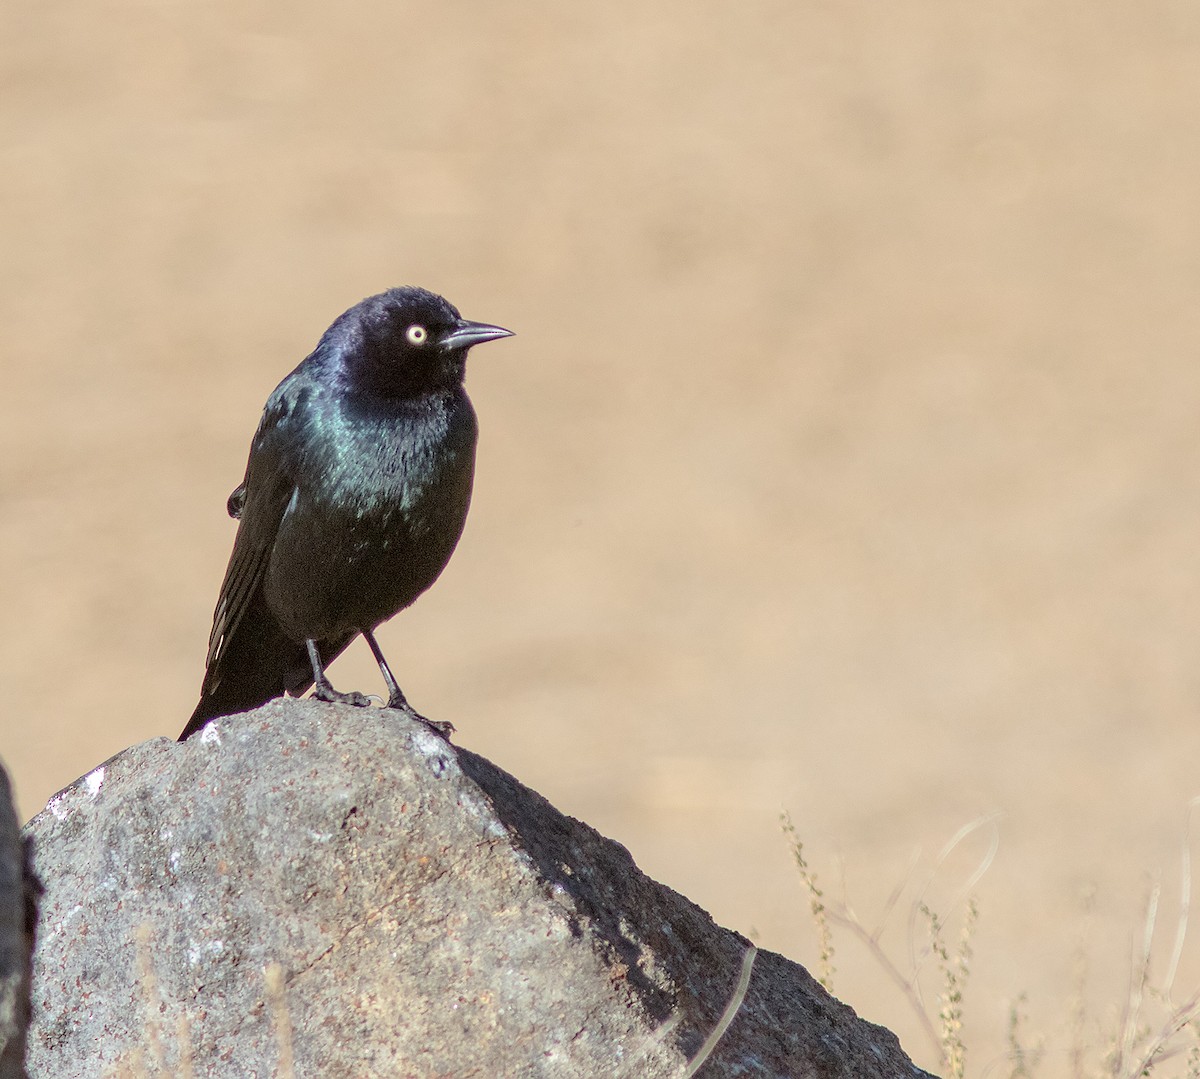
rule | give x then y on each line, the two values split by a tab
332	696
444	728
438	727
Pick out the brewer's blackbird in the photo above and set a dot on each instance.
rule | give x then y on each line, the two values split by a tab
355	494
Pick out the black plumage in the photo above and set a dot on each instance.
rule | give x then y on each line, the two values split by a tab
355	495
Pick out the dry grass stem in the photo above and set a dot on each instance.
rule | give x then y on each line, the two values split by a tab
277	1003
1022	1060
954	971
149	983
816	903
183	1033
1185	901
731	1009
633	1066
920	947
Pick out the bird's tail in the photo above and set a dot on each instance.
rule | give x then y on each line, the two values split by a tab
259	664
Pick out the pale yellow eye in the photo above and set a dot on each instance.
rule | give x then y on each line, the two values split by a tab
417	335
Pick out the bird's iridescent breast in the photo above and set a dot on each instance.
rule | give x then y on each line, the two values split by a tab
389	486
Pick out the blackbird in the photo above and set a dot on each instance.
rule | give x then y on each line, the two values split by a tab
355	495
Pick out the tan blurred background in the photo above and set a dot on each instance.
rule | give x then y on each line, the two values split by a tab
846	460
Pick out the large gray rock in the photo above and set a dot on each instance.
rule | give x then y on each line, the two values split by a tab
328	891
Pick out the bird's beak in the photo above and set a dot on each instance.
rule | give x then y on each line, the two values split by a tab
466	334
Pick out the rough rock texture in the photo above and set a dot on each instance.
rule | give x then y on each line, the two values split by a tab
327	891
18	912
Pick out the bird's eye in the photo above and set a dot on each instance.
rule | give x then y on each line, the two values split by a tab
417	335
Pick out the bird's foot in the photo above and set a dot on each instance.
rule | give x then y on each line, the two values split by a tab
323	691
443	730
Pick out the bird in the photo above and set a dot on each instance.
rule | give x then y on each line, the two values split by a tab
355	495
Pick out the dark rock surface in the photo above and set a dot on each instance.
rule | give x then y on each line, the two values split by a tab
327	891
18	911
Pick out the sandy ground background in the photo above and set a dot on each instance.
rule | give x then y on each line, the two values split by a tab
847	460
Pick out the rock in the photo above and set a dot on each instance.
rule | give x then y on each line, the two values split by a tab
319	890
18	913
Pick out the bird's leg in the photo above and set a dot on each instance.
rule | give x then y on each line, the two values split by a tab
396	698
322	690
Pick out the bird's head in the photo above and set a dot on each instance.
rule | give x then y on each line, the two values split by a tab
407	341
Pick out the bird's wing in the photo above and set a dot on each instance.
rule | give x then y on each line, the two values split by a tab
259	504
